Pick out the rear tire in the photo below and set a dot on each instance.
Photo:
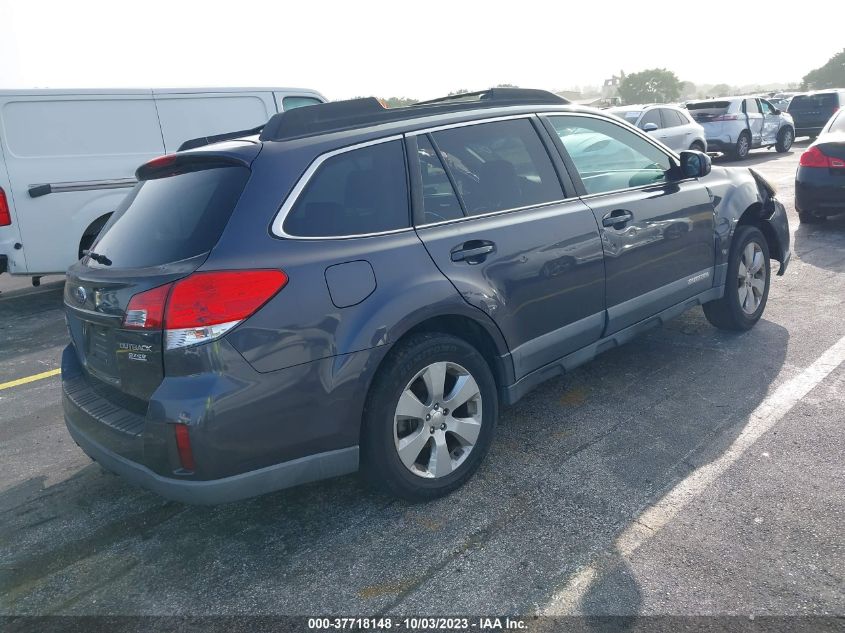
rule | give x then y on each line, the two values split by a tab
419	441
785	139
742	147
697	146
747	283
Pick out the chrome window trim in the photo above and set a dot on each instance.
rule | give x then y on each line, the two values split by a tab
501	212
277	228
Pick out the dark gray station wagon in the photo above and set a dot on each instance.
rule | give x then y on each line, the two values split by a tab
364	287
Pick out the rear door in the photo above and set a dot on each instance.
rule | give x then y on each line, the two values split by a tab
657	230
751	109
675	131
514	243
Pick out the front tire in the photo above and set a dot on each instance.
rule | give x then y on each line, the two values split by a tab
785	139
747	284
430	417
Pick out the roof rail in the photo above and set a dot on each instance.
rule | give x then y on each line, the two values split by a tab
355	113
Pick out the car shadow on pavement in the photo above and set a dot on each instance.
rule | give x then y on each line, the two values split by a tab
822	245
574	465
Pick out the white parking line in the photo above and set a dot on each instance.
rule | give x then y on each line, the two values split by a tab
655	518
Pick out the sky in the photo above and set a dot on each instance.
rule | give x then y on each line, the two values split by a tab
414	49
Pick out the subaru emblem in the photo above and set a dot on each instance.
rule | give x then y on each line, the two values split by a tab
80	295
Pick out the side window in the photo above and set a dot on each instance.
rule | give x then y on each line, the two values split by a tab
652	116
439	200
671	118
607	156
289	103
498	166
354	193
751	106
766	107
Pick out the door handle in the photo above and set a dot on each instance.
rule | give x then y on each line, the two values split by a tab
473	252
617	218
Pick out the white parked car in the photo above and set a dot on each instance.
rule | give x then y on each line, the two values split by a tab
670	125
68	157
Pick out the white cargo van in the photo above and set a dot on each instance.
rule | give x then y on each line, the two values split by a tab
68	157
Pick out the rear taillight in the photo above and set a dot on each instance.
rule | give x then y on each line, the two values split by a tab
203	306
146	310
814	157
726	117
183	447
5	214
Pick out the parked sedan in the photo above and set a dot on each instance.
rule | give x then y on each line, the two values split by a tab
736	125
672	126
820	179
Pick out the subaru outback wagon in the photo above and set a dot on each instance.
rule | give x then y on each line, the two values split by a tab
366	287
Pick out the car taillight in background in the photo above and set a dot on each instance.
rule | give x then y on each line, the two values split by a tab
814	157
5	213
203	306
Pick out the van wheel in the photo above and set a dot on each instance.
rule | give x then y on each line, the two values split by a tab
742	147
430	417
785	138
747	285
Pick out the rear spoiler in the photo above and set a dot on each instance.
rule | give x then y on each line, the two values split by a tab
202	141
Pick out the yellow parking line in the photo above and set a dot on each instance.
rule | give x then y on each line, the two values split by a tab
33	378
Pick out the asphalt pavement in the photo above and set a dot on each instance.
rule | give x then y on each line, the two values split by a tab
690	472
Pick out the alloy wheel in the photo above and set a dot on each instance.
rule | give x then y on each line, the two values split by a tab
437	421
751	278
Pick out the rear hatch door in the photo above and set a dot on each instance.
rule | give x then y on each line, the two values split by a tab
813	111
163	232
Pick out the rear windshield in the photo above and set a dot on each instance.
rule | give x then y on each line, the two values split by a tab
707	110
808	103
168	219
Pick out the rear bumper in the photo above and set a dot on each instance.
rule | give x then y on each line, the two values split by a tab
808	130
819	192
250	433
249	484
722	144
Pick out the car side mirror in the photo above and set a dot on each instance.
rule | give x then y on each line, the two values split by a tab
650	127
695	164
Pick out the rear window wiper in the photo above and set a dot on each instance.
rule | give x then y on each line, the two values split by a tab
100	259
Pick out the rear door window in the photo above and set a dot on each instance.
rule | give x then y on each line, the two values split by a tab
439	200
652	116
357	192
672	118
750	106
169	219
498	166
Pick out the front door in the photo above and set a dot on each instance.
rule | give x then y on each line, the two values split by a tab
657	230
771	123
498	224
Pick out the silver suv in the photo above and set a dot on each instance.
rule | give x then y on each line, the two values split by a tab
736	125
671	125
